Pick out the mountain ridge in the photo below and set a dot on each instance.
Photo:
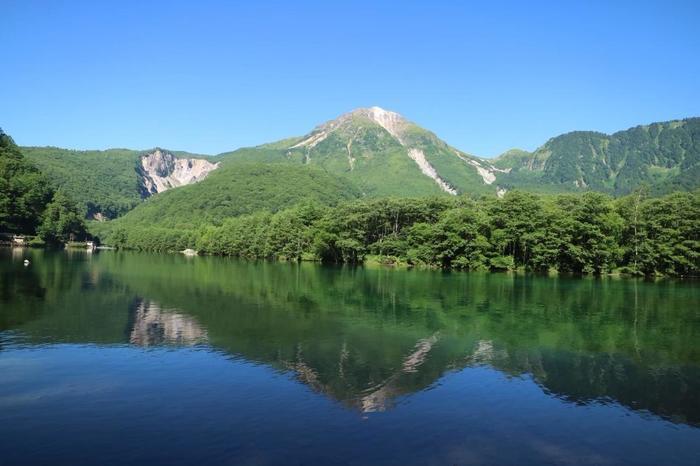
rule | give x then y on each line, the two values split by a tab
656	154
370	143
385	154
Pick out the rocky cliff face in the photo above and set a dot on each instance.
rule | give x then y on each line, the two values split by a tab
160	170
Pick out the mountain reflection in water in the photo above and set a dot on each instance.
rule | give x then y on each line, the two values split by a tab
156	326
366	338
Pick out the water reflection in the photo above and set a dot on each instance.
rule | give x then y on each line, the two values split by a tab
380	399
366	338
155	326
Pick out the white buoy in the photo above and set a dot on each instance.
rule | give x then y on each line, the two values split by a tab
26	262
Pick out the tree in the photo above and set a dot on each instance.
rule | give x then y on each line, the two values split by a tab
515	221
671	242
457	240
630	208
62	220
589	233
24	191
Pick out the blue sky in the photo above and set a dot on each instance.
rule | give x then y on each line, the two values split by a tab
212	76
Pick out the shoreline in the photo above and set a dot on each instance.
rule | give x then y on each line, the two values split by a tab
373	262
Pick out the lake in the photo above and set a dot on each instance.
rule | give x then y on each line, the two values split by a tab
118	358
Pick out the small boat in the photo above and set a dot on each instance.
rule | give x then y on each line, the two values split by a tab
26	262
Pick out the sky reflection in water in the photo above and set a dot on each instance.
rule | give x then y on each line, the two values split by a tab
158	359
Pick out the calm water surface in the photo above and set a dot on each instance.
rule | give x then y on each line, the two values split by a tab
116	358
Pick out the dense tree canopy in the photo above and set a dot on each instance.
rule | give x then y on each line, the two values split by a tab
62	221
239	188
665	156
588	233
99	181
24	191
27	199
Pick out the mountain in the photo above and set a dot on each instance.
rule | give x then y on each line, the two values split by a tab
511	159
109	183
384	154
237	188
665	156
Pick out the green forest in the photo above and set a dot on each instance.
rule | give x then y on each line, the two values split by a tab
103	183
298	212
98	181
665	156
240	188
578	233
29	202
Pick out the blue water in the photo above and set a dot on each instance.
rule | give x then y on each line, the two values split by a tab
135	359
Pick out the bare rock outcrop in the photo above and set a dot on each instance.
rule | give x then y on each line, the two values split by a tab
160	170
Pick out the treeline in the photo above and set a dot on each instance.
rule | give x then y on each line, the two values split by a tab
588	233
28	202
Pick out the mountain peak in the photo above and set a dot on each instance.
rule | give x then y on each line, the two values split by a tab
351	130
393	122
377	113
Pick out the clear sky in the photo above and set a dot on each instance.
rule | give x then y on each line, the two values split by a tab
210	76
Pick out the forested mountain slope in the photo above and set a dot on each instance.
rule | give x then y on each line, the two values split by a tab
109	183
664	156
100	181
384	154
239	188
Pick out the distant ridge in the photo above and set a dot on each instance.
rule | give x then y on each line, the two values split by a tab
664	156
381	153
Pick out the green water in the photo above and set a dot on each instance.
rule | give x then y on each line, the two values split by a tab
216	360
